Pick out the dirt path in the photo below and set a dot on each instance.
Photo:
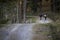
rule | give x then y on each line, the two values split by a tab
17	32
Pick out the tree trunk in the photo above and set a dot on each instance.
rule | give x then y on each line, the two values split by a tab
19	12
24	10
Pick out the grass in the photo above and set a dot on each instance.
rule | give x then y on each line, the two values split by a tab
32	19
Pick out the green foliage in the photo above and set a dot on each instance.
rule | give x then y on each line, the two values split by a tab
33	5
4	21
2	1
7	7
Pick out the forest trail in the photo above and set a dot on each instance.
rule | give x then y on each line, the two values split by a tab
16	32
43	21
23	31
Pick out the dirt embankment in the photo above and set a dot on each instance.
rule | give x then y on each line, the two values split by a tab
40	32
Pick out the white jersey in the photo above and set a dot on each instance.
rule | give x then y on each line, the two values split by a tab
44	15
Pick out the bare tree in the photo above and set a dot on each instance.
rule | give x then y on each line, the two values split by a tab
24	10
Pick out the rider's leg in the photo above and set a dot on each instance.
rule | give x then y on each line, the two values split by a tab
45	18
40	18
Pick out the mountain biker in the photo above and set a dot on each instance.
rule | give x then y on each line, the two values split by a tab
40	16
45	16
